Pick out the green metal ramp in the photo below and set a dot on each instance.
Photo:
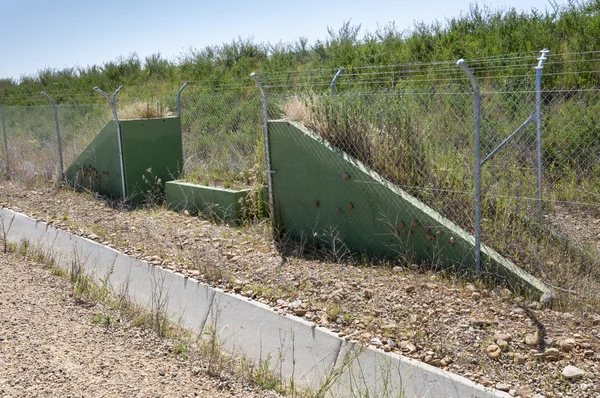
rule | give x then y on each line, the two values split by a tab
152	155
323	196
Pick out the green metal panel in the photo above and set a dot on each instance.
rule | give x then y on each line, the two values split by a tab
325	197
98	167
152	152
225	204
152	155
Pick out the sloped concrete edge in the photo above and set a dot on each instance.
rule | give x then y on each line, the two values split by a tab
311	356
371	372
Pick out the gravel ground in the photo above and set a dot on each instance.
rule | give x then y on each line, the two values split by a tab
49	347
483	333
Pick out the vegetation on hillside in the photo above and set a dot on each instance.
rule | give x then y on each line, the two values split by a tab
481	32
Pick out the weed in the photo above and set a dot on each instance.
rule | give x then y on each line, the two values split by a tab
102	319
334	312
266	378
181	348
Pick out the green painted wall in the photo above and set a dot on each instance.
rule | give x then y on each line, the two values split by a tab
152	155
325	197
152	152
225	204
97	168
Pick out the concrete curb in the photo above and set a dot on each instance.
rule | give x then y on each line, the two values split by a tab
310	356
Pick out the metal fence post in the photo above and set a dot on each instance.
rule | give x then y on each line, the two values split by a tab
179	115
5	141
335	78
113	105
477	171
538	116
263	94
60	154
179	98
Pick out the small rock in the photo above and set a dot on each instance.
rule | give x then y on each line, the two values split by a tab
503	387
532	339
502	344
161	373
547	298
472	288
567	345
588	353
407	346
435	362
519	359
493	351
229	255
375	341
552	354
387	348
572	372
300	311
524	391
368	294
410	289
502	336
476	296
482	323
397	269
294	304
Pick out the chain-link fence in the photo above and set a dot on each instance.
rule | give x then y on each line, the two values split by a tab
413	125
31	148
222	136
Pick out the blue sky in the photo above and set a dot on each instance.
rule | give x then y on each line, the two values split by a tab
41	33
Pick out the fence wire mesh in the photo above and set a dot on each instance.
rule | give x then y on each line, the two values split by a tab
32	138
403	124
222	137
412	124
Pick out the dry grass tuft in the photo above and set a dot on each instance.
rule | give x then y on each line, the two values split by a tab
297	110
144	110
